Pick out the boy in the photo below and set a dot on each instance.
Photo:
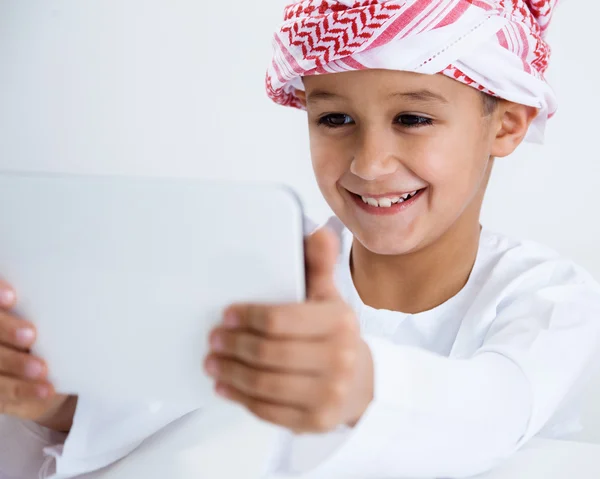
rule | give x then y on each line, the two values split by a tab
428	346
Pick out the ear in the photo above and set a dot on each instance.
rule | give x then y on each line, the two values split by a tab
301	95
513	121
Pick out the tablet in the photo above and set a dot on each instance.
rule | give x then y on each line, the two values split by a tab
125	277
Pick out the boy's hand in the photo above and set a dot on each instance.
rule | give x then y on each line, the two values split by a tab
301	366
24	389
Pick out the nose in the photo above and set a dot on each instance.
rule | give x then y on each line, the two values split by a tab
375	156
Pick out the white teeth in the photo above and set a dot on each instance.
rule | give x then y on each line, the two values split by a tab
387	202
379	203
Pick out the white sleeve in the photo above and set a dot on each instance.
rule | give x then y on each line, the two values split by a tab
439	417
22	451
104	433
101	435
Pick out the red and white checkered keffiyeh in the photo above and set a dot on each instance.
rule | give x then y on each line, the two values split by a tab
496	46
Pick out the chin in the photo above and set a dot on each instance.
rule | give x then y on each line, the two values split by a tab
389	243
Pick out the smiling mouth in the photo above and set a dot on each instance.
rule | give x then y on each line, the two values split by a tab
388	201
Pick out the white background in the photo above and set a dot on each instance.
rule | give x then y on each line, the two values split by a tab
176	87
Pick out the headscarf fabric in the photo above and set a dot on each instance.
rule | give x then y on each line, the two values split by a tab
495	46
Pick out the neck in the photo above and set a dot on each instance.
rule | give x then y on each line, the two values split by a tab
420	281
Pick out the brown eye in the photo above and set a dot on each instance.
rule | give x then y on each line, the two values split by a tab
411	121
335	120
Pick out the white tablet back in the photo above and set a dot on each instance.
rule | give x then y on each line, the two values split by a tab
125	277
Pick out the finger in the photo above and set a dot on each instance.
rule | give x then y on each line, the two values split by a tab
16	332
33	409
290	321
297	420
287	389
8	297
14	390
322	249
21	365
309	357
281	415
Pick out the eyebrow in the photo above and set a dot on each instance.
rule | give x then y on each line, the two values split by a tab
424	96
321	95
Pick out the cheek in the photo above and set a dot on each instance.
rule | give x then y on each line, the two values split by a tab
329	161
452	165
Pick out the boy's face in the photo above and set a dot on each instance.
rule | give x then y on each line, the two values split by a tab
378	135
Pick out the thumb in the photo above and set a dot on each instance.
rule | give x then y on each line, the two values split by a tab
322	249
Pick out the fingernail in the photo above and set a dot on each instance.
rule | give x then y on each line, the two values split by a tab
212	368
25	336
231	320
43	392
216	343
7	297
221	390
34	369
